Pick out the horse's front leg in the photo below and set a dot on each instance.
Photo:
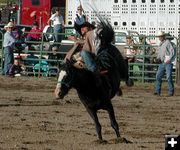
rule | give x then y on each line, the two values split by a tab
114	123
93	114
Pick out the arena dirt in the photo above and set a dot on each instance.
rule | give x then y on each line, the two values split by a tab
31	119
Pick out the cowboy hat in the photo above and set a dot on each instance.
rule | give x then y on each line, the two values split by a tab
161	33
79	7
9	25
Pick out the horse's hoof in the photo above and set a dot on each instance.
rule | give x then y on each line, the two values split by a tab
119	92
122	140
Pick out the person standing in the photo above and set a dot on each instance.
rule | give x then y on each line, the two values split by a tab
165	57
79	19
8	44
58	22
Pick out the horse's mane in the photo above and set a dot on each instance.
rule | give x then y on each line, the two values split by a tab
104	29
105	34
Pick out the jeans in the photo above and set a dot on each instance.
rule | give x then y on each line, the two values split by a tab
89	60
162	69
57	30
8	59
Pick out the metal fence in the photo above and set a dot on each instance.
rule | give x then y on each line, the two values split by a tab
1	51
42	58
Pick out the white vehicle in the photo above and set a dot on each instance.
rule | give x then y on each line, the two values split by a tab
120	36
120	40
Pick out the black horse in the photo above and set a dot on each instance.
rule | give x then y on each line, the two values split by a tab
93	96
97	96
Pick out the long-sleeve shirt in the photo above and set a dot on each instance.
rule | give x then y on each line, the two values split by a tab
166	51
57	20
89	44
9	39
35	35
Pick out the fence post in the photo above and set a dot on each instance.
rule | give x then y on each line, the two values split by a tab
178	78
2	52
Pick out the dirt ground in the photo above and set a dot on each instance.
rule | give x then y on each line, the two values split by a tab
31	119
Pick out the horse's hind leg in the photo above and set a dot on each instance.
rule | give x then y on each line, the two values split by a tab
93	114
114	123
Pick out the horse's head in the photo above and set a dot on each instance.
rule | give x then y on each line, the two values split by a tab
65	79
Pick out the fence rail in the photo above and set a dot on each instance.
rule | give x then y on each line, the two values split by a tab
42	58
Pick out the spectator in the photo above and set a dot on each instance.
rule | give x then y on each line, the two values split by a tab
16	69
30	61
79	19
20	42
145	54
143	49
8	44
34	34
53	61
130	52
58	22
165	57
54	56
41	67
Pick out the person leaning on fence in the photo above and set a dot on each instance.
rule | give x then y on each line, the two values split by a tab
8	44
129	49
58	22
130	53
34	34
165	58
146	54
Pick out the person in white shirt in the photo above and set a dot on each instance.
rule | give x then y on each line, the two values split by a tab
58	22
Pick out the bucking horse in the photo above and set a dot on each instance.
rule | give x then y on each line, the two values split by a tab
93	96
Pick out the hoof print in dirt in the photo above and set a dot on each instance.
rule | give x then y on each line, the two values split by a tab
101	142
18	99
55	102
122	140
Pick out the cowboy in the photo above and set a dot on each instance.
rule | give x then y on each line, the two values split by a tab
79	43
8	44
165	56
86	51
